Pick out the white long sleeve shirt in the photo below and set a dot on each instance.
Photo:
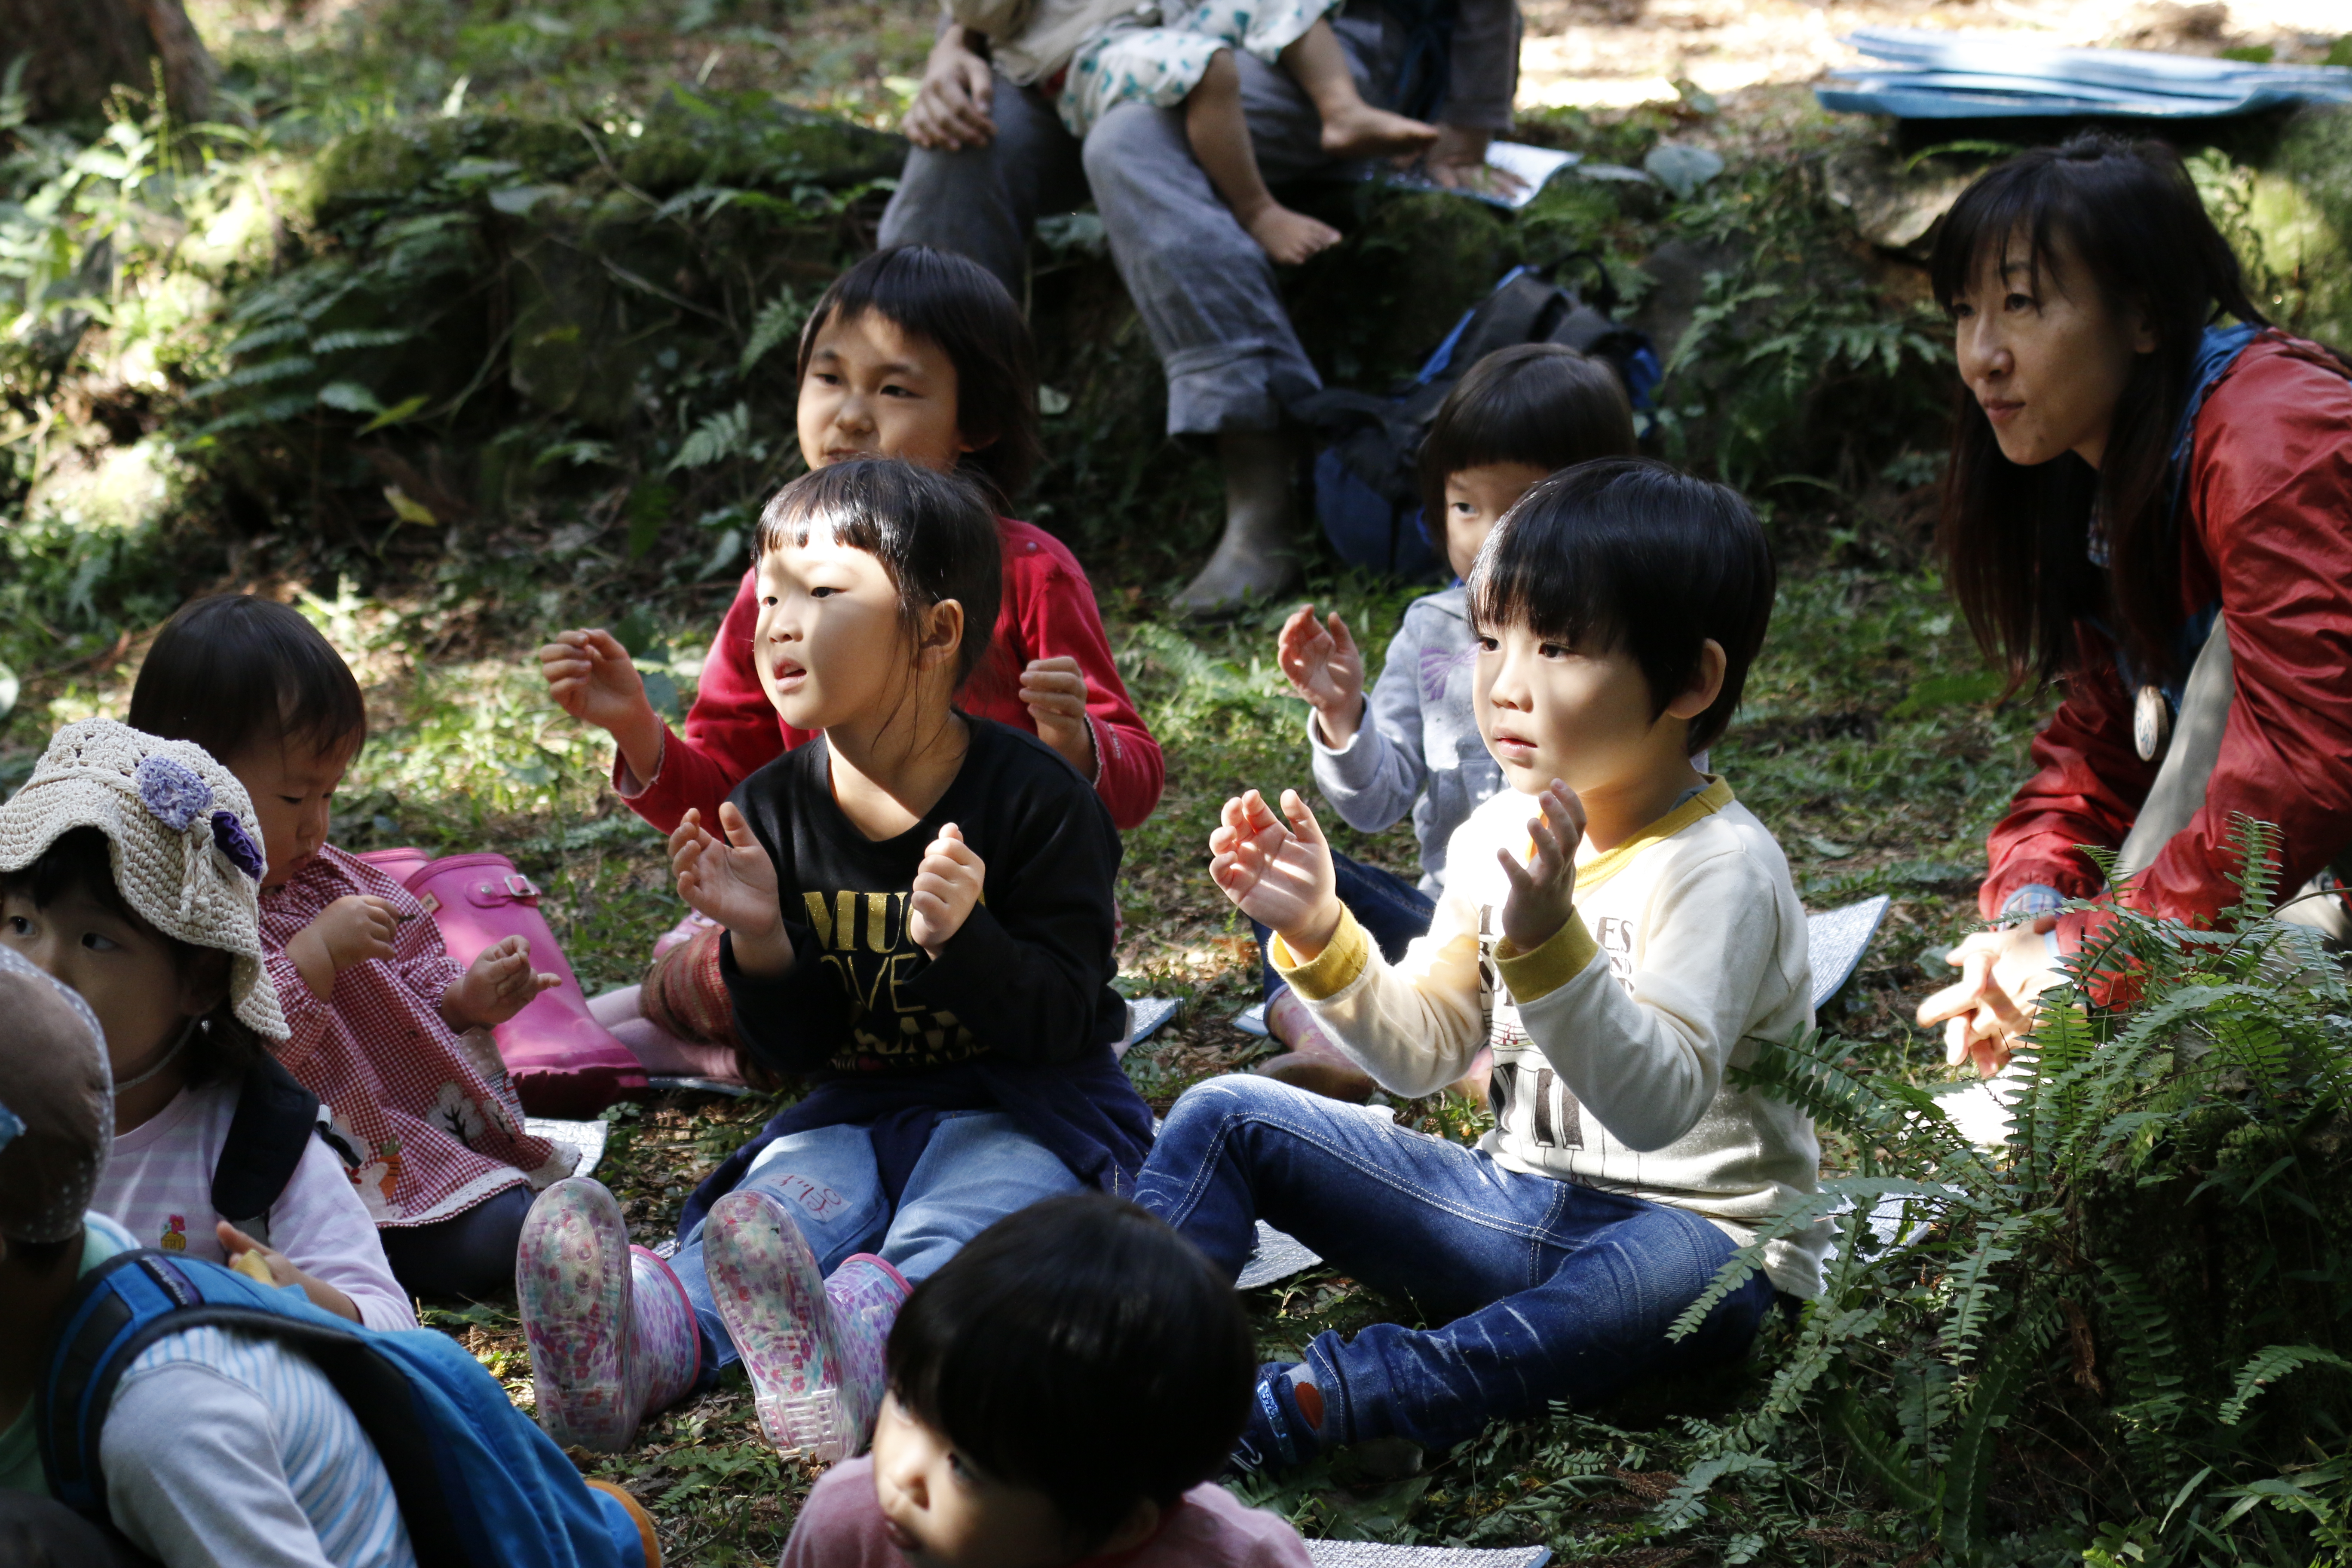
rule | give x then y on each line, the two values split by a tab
1686	953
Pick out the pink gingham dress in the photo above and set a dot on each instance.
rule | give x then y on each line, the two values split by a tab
424	1117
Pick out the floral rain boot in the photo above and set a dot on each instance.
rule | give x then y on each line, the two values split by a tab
765	1278
572	1271
664	1349
864	1296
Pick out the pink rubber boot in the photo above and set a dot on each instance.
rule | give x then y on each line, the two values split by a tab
865	1294
573	1270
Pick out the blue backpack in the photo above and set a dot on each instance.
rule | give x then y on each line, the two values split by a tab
1367	466
478	1485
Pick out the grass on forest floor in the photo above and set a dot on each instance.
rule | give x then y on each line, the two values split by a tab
1867	744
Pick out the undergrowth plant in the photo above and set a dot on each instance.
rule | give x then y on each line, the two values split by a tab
2128	1318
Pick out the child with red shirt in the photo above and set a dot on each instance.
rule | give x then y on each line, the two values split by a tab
912	354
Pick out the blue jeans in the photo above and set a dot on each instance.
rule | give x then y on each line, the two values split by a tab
978	1167
1554	1290
1391	911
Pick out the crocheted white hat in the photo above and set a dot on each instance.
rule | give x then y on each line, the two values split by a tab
57	1103
180	835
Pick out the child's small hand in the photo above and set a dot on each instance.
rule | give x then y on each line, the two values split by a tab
1543	892
1327	668
1279	875
591	676
349	930
246	1254
733	881
497	986
1055	692
947	886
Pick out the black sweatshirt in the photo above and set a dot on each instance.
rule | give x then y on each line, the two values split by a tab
1025	979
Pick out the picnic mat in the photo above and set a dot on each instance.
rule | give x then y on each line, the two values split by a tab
586	1137
1928	75
1373	1555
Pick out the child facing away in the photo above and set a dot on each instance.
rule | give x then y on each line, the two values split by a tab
1620	929
1079	1315
384	1026
216	1444
1519	413
167	952
919	915
1089	57
911	353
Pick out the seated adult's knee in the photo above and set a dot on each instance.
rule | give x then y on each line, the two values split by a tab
1127	147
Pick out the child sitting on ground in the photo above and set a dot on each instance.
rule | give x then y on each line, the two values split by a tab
1518	415
168	954
386	1027
911	353
1623	949
200	1444
919	914
1078	1315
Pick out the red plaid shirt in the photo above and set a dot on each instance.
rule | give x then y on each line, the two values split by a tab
427	1122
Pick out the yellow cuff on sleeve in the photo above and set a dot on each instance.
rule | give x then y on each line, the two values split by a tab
1331	971
1561	959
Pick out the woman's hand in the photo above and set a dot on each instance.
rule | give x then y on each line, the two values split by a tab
497	986
950	108
1278	874
1993	1004
591	676
947	886
280	1270
1055	692
1543	891
1325	667
733	881
349	930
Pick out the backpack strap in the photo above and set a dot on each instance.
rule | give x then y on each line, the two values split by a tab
275	1119
129	1302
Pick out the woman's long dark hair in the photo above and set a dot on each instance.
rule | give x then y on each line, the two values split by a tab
2121	216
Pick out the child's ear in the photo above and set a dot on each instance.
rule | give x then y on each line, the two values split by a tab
1705	686
943	634
203	982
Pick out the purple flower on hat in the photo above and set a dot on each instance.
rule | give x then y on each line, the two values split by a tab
230	837
172	791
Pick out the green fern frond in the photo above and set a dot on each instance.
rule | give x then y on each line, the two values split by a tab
2006	1375
2266	1367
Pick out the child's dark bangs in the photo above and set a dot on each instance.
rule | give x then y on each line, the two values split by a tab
1531	576
77	862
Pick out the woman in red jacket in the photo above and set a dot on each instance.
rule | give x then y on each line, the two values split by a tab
2155	512
912	354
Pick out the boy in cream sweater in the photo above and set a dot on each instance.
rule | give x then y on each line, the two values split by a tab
1617	926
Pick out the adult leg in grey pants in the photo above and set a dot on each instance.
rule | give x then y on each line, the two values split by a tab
1206	290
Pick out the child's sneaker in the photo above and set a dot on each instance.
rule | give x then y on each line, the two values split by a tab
1286	1422
764	1279
571	1283
864	1296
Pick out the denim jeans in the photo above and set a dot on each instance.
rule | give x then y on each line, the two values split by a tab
1547	1290
1391	911
978	1167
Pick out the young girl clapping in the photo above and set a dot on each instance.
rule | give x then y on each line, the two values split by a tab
919	915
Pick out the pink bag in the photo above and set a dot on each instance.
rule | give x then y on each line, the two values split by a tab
564	1063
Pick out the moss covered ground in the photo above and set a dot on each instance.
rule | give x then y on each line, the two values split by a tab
471	326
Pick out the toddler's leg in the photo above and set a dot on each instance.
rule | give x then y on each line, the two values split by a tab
1351	127
1219	132
470	1254
979	1166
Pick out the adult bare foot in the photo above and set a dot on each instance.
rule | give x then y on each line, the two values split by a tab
1364	131
1289	237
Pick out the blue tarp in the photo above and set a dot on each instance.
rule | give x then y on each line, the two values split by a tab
1984	76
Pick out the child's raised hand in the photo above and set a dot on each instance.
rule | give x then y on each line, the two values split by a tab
1543	891
251	1258
733	881
947	886
1055	692
591	676
497	986
1275	872
351	929
1327	668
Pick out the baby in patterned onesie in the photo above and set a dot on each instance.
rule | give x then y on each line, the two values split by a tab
1180	52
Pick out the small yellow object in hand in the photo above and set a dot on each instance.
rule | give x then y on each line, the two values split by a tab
253	1266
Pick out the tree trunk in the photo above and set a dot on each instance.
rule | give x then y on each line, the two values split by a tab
72	52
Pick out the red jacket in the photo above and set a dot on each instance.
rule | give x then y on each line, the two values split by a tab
2270	511
1048	610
